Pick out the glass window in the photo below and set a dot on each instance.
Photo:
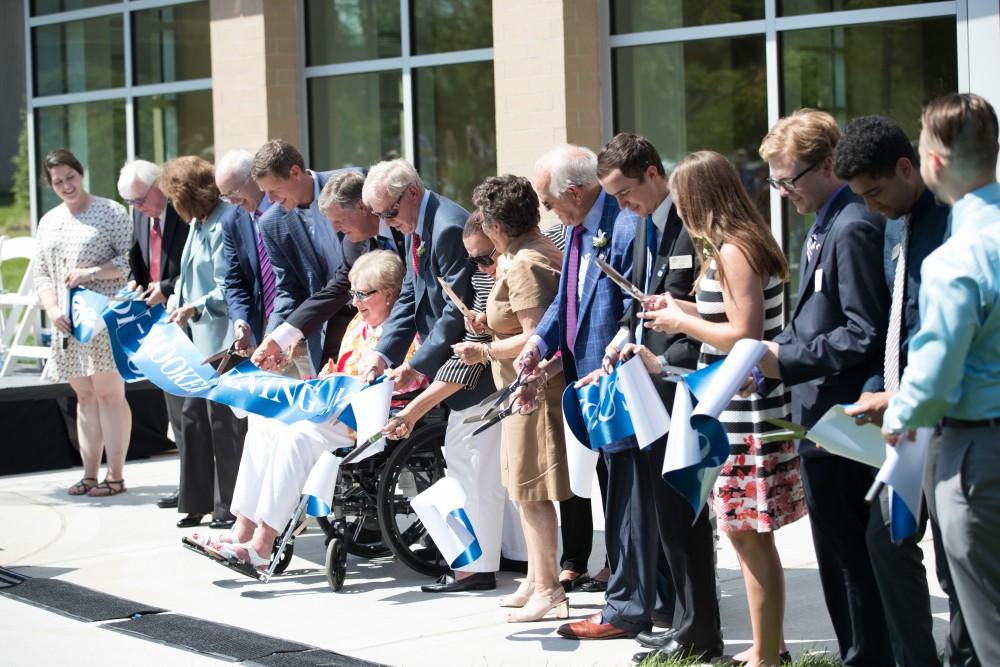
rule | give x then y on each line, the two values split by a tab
702	95
455	127
642	15
798	7
356	119
42	7
78	56
883	68
340	31
167	126
95	133
451	25
171	44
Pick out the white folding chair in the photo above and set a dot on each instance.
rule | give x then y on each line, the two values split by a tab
20	313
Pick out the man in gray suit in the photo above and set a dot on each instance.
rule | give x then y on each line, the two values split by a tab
305	251
433	227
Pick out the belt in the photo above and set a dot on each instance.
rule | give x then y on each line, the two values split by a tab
950	422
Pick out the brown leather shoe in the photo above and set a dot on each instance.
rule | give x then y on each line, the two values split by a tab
592	628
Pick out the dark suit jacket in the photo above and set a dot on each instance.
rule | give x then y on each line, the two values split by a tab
324	304
299	270
836	335
174	233
602	303
423	309
244	294
677	349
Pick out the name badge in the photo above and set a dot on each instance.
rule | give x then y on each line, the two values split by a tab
818	281
681	262
895	252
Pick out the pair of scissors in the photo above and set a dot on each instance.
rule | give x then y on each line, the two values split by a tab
224	361
495	400
496	419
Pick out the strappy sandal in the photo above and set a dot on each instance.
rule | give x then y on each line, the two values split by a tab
253	560
81	488
109	487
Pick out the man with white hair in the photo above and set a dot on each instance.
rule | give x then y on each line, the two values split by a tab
250	283
158	238
433	227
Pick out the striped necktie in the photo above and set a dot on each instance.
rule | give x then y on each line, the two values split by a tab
572	282
894	335
267	284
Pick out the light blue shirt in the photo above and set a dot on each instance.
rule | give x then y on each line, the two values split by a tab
953	367
321	231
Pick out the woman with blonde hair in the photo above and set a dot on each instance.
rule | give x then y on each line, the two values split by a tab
212	442
739	294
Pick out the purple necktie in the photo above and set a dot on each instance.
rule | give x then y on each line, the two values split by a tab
572	282
267	286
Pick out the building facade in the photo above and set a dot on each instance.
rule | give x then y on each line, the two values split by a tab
469	88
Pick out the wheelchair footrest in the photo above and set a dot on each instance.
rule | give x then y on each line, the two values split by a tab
233	564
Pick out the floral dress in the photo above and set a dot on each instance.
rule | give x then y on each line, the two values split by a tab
359	341
759	487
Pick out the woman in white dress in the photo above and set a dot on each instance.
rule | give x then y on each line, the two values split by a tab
85	242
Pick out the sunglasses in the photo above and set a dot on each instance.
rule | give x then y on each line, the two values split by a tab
789	183
483	260
359	295
394	211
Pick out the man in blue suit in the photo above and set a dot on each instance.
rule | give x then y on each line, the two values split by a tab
304	250
833	342
433	227
250	283
580	323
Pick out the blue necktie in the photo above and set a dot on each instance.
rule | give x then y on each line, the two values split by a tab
651	250
385	244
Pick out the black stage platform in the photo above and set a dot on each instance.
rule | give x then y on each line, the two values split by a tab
38	424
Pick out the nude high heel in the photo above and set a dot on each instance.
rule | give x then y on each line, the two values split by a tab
538	607
520	597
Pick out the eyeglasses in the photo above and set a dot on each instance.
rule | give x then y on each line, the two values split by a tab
394	210
483	260
789	183
139	201
359	295
230	196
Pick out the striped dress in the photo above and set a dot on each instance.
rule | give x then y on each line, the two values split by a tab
455	370
759	487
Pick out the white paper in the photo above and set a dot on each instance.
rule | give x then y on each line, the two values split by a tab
839	434
434	506
371	410
903	469
648	414
683	443
715	395
322	480
582	461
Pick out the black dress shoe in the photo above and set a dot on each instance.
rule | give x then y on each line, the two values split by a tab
655	640
447	583
511	565
168	502
222	524
593	586
190	521
569	585
674	650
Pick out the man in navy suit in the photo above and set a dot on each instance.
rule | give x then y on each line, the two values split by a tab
251	286
580	323
664	261
433	227
833	342
304	250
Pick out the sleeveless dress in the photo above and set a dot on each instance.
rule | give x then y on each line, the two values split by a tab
759	487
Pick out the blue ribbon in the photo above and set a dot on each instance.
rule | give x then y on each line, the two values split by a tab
159	351
596	413
119	313
473	551
85	310
317	507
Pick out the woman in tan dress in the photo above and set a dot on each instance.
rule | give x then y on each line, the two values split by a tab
532	449
84	242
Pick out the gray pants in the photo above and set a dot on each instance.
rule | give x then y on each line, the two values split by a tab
967	498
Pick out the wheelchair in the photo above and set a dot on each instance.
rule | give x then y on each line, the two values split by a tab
370	516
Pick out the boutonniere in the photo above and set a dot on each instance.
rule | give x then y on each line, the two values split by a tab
706	248
421	249
601	240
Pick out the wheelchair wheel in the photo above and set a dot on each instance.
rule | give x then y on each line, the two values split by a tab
286	557
362	538
415	464
335	564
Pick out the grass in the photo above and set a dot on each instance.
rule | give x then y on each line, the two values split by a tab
14	221
807	659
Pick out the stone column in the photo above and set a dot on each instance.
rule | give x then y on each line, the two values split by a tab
255	73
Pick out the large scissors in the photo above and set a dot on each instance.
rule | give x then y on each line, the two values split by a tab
495	401
224	361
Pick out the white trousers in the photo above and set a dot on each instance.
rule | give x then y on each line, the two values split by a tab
475	464
277	459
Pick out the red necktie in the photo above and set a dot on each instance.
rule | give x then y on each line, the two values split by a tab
155	246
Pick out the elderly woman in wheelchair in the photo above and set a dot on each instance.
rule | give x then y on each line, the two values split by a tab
278	457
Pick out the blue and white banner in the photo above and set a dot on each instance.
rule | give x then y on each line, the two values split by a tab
86	308
441	508
160	351
698	444
120	313
321	484
903	473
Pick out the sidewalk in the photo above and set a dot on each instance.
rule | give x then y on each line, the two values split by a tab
128	547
